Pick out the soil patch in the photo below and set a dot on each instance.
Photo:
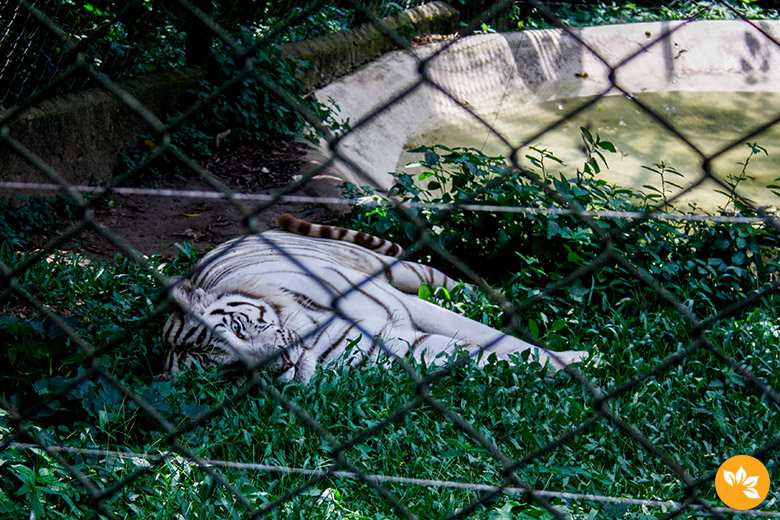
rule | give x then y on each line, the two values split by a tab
154	224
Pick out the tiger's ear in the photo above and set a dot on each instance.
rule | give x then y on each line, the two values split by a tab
187	295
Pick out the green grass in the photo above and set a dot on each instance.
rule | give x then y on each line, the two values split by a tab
698	411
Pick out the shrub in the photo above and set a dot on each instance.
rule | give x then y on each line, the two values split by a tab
519	244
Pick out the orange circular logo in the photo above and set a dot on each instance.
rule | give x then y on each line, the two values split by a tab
742	482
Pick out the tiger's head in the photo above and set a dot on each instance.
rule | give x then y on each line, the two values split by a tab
241	320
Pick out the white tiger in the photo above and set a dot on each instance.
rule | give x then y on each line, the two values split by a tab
292	299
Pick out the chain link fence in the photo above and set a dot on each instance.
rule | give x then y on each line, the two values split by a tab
678	307
126	39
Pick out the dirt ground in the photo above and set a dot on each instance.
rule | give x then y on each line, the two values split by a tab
154	224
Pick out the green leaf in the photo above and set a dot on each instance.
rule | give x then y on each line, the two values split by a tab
533	328
579	192
616	511
557	325
594	164
573	257
472	168
586	135
431	158
606	145
553	228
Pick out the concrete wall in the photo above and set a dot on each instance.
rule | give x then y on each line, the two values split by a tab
335	55
81	134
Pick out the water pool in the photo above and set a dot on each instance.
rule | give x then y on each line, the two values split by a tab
710	121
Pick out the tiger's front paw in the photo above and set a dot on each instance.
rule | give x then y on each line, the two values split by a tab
304	369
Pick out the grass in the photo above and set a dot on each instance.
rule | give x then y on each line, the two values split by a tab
698	411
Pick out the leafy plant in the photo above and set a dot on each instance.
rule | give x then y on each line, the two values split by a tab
733	181
25	223
579	14
96	301
495	238
663	171
530	251
250	110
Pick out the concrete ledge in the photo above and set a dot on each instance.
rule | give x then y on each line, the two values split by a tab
338	54
81	134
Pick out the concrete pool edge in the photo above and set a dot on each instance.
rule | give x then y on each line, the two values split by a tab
481	72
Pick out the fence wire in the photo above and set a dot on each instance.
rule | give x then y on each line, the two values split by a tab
88	431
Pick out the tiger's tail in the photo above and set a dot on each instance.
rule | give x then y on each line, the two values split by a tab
371	242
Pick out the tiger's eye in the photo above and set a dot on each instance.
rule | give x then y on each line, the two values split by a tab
236	327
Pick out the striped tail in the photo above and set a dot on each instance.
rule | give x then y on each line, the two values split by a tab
374	243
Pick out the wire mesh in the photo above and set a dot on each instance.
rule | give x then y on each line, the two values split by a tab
89	431
125	39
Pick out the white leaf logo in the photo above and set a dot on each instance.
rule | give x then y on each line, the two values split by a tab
750	482
742	482
741	479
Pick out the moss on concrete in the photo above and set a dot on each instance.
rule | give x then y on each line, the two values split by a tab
335	55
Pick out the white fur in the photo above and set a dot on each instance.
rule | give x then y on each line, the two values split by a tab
373	297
